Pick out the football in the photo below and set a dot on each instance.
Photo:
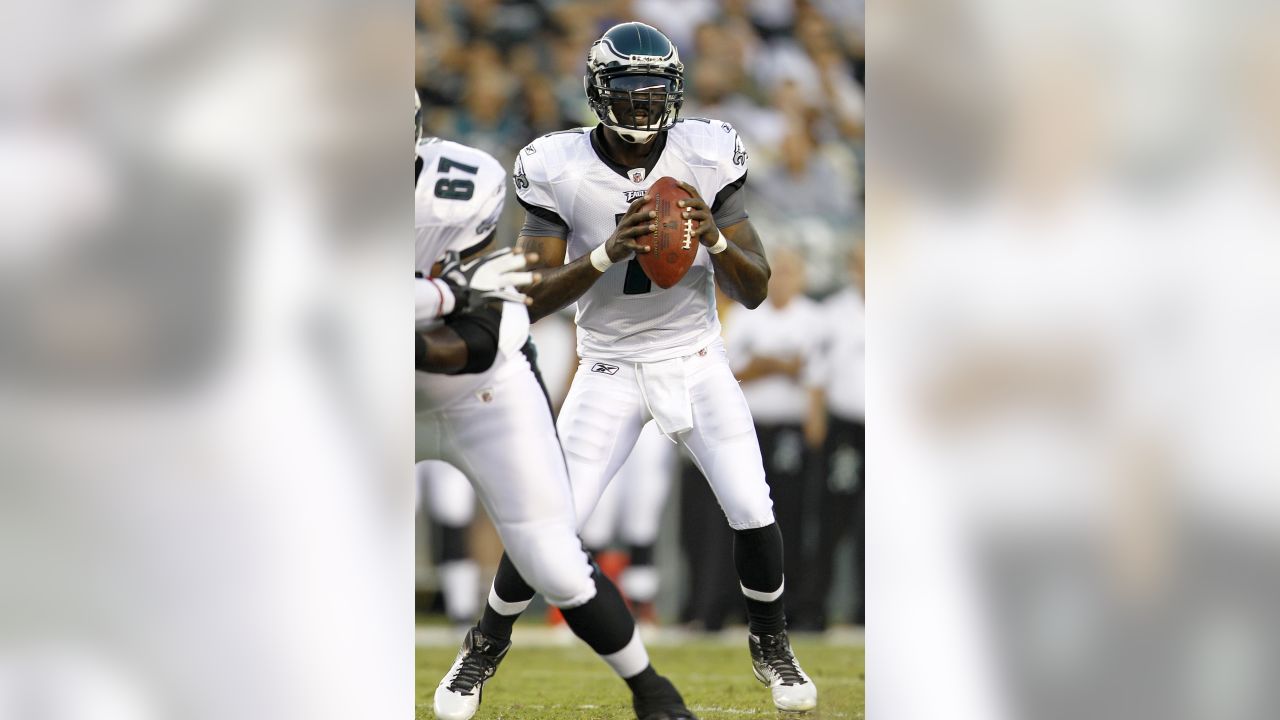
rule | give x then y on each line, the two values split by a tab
674	245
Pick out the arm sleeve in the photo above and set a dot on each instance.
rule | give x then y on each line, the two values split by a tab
479	330
533	192
540	225
729	206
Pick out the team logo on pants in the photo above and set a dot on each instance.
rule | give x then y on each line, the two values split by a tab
606	369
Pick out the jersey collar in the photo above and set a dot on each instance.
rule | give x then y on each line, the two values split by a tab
597	144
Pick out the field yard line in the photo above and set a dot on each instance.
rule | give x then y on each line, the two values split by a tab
544	636
705	709
604	673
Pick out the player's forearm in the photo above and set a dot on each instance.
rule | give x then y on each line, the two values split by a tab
761	367
467	343
815	422
440	350
561	286
742	275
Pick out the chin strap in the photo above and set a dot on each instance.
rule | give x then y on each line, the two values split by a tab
637	137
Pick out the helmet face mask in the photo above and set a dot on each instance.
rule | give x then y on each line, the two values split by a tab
635	81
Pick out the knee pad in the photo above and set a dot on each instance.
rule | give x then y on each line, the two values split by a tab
554	564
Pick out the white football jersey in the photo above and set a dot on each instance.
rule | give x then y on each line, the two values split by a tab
459	194
625	316
458	197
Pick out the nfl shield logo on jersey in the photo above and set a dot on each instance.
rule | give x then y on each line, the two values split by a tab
637	175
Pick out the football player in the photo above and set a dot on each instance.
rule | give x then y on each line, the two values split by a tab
481	408
649	353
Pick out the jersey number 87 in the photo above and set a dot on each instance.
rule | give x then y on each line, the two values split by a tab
455	189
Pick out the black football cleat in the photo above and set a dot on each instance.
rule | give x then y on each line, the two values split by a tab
661	702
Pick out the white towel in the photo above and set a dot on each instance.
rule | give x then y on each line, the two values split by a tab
666	394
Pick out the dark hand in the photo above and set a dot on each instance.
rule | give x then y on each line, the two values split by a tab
630	234
695	208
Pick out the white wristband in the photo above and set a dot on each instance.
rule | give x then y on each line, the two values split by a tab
433	299
720	246
600	259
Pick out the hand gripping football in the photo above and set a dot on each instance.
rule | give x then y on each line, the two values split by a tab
674	244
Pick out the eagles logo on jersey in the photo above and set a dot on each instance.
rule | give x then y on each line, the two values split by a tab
519	177
739	152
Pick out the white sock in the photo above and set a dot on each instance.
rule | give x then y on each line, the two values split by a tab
460	581
630	660
640	584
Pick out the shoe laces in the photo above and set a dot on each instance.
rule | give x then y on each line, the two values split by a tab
776	653
475	668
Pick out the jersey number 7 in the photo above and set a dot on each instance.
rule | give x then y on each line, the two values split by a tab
636	282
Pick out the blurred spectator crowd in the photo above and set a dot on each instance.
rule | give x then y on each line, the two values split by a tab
496	74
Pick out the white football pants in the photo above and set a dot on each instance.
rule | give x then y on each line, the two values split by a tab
630	510
501	437
604	412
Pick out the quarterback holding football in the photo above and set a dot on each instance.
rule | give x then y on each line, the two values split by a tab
650	347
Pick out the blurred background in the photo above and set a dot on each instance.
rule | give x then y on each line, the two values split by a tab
205	501
1072	229
788	75
206	508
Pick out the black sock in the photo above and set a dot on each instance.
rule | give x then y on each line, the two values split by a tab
511	588
757	553
603	622
647	680
650	691
453	543
641	555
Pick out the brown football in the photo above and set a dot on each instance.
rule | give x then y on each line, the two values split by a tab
674	245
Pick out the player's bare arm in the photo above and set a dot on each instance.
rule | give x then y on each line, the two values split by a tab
440	350
561	284
763	366
467	343
742	271
815	421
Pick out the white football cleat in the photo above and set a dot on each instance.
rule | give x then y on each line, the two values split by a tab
775	665
458	695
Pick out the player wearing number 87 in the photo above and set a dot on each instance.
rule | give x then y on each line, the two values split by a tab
584	192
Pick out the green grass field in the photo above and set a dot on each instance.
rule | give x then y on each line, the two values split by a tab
543	681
